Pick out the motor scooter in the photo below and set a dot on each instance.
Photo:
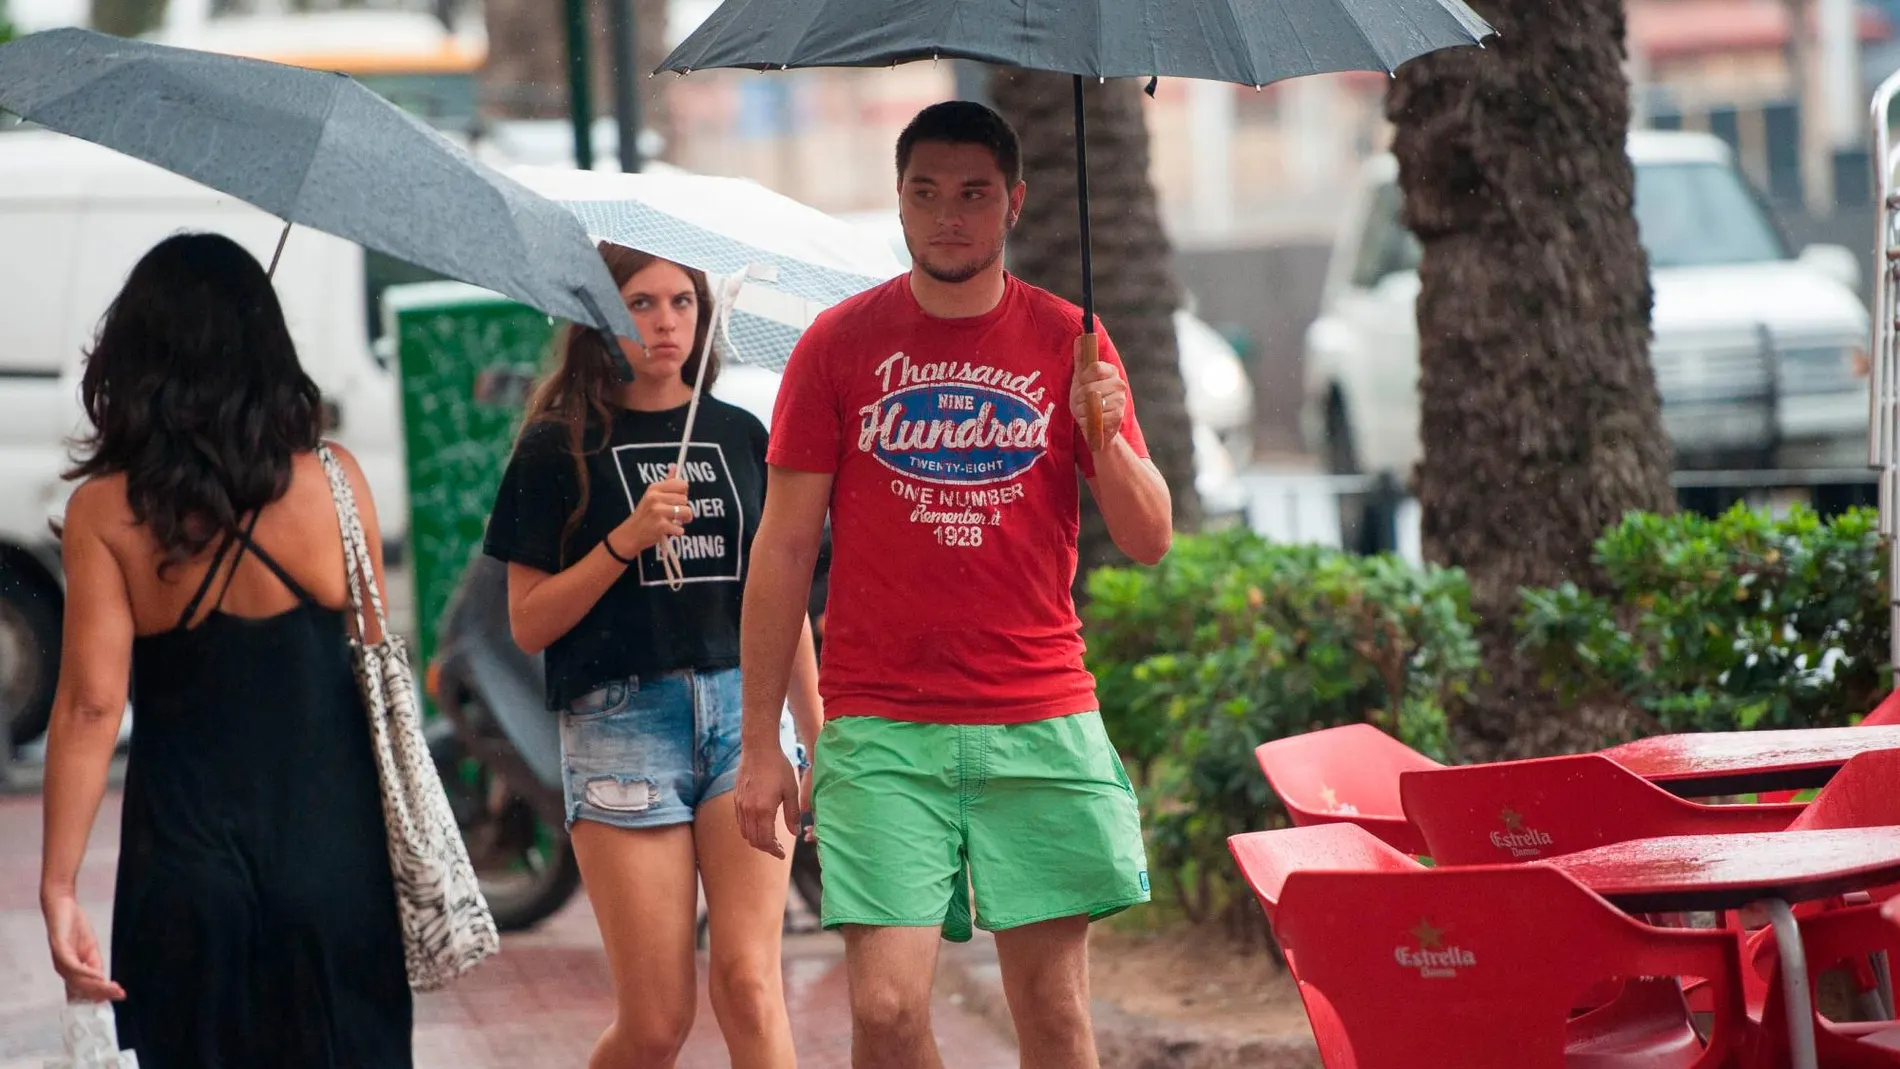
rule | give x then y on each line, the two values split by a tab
498	751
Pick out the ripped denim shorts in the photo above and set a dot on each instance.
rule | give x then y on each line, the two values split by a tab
648	752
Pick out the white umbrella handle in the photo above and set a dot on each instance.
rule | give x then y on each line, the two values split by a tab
721	322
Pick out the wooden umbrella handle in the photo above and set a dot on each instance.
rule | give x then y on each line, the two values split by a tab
1087	352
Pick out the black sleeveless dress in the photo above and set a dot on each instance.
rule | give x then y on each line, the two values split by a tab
254	922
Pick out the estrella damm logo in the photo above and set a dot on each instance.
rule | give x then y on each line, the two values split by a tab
1517	839
1433	959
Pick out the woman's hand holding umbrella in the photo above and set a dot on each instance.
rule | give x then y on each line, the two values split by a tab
662	513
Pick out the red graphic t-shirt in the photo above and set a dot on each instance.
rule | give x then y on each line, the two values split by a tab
953	506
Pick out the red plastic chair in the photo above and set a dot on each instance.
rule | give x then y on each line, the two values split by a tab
1610	1009
1841	936
1523	810
1517	811
1865	793
1266	859
1476	968
1345	774
1886	713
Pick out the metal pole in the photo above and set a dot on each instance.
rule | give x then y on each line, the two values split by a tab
1837	45
626	36
580	103
1885	354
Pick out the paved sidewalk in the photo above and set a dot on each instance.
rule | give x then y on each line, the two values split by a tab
541	1002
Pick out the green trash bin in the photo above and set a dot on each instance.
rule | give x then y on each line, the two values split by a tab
467	358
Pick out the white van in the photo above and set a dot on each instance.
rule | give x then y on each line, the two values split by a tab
74	219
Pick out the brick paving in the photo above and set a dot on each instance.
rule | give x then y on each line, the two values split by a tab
541	1002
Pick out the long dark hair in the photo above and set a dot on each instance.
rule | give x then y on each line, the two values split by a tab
195	394
578	392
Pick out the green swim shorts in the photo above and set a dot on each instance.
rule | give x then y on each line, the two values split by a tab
1031	822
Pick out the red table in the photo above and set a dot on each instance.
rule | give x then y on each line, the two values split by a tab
1717	872
1700	765
1684	873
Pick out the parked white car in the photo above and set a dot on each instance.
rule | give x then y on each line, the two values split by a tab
1219	394
1759	354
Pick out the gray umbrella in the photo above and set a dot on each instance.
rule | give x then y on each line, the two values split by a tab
1250	42
317	150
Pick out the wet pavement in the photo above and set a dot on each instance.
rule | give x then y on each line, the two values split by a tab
540	1002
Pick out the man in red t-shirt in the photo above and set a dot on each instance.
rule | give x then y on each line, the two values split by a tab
938	418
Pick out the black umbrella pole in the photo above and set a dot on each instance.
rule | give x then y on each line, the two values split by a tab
1082	198
1086	347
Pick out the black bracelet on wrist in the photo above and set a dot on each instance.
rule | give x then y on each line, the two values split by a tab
607	543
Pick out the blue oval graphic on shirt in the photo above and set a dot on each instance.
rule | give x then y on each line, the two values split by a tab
955	433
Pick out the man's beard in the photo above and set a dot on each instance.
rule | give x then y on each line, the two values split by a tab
962	272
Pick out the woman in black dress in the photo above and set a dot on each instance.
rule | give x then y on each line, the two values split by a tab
254	922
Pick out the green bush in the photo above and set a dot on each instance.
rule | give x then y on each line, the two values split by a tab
1232	641
6	25
1742	621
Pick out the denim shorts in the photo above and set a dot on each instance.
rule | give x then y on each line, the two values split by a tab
648	752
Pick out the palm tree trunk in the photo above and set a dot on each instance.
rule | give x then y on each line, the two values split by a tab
1136	293
1539	413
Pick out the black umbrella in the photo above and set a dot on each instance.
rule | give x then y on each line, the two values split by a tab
319	150
1250	42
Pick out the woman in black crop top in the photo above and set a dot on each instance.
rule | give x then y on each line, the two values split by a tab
642	663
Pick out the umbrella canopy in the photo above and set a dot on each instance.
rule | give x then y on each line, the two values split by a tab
317	150
792	261
1250	42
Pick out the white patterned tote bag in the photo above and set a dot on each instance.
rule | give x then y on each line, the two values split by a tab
92	1039
446	926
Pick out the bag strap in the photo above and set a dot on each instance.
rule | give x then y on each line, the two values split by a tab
357	565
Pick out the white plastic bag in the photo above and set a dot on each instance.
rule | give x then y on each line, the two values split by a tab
92	1039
